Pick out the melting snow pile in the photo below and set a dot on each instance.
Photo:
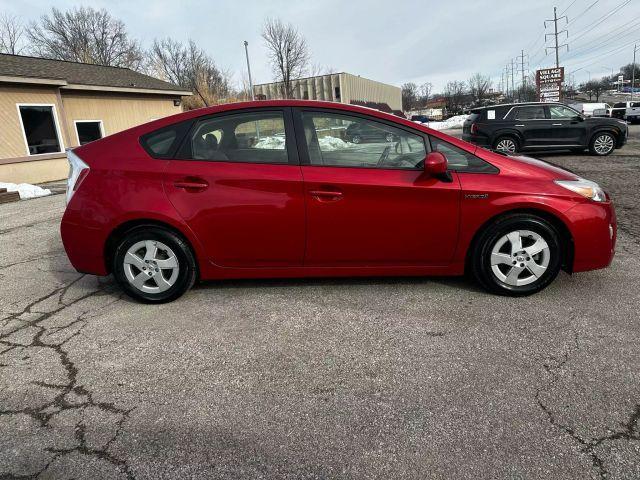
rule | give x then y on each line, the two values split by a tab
333	143
453	122
270	143
26	190
326	143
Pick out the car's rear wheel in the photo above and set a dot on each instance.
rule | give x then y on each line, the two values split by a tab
154	265
356	139
602	144
517	255
506	144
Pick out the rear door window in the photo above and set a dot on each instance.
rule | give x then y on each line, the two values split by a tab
535	112
252	137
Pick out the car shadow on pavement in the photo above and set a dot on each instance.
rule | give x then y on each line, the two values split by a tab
457	282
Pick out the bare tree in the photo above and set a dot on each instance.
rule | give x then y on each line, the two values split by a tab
479	86
288	53
454	95
425	92
84	35
409	96
11	33
191	68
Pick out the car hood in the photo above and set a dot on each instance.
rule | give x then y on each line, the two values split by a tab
605	121
531	167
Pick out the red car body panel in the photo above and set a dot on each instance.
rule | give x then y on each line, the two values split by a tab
263	220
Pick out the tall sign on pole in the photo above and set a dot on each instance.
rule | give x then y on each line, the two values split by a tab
549	84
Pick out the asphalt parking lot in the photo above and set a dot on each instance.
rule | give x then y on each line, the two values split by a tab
367	378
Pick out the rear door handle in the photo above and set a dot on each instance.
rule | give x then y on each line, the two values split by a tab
517	125
191	184
557	124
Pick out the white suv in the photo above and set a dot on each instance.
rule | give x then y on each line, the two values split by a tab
629	111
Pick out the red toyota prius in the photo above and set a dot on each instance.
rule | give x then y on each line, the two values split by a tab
286	189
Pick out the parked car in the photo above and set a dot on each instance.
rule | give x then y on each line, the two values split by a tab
588	109
519	127
181	199
360	133
629	111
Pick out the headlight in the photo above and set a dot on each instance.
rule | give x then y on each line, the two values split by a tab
586	188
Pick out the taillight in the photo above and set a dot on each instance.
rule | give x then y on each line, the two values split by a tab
78	170
474	128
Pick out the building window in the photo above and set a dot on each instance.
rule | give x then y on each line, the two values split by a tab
40	129
305	95
88	130
337	92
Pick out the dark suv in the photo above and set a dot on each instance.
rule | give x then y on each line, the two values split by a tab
363	132
542	126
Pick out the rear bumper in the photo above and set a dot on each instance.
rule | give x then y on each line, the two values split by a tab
594	229
476	139
80	244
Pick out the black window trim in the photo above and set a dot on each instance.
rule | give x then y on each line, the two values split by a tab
183	152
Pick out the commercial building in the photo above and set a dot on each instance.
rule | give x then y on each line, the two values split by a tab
49	105
338	87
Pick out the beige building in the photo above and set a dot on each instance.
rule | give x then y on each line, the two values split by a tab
47	106
339	87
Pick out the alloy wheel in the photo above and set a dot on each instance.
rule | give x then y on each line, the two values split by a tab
151	266
603	144
506	145
520	258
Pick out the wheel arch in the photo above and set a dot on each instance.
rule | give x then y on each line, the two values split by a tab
604	129
123	228
507	132
561	227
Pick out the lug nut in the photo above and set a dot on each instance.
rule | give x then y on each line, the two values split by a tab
522	264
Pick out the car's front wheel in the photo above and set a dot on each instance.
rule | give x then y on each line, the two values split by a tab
356	139
154	265
602	144
517	255
506	144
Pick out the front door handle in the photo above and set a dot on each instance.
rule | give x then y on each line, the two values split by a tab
557	124
191	184
326	195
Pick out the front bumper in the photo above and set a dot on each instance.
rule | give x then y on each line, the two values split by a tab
594	229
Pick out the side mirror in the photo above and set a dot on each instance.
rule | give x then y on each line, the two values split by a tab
435	164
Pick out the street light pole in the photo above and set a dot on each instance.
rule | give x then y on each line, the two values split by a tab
246	52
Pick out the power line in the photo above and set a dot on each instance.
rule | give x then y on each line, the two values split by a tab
601	20
570	5
583	12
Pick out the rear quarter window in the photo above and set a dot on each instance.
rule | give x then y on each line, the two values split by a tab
164	142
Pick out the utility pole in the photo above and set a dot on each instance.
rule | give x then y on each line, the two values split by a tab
522	57
513	89
633	70
555	34
506	73
246	52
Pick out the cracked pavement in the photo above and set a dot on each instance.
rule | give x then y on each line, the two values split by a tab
363	378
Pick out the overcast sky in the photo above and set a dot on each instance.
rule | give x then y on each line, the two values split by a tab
390	41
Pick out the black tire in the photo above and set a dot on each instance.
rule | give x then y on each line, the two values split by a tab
356	139
509	139
602	137
481	253
187	267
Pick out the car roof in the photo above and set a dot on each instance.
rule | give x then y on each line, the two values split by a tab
522	104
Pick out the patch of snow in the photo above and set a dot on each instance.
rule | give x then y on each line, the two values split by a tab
453	122
270	143
26	190
328	144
